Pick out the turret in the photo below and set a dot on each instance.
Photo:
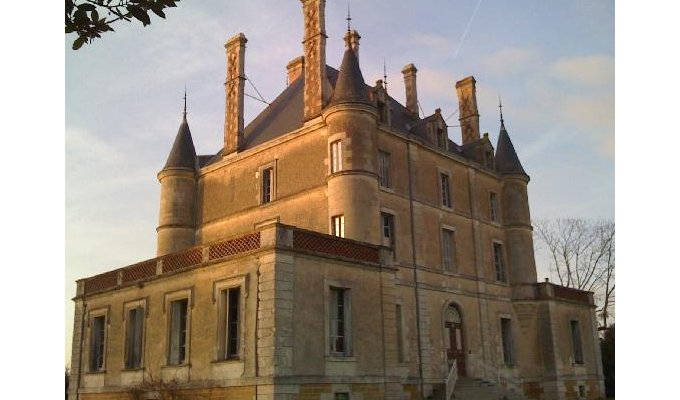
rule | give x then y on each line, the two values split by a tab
176	225
515	211
351	118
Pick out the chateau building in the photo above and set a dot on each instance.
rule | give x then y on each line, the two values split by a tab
340	246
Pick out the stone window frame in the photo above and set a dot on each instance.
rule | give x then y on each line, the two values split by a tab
497	219
393	227
168	298
104	311
572	354
241	282
348	287
344	148
127	306
513	345
440	189
402	342
504	262
341	219
273	189
453	230
336	160
384	174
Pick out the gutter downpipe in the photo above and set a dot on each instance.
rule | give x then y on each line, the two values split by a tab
415	268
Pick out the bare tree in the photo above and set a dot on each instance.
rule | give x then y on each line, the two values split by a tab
582	254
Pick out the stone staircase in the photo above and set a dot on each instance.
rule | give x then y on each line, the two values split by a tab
477	389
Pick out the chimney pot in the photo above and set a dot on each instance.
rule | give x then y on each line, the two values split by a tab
409	72
235	89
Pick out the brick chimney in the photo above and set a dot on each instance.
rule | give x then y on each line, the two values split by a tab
295	68
235	85
467	107
317	88
409	72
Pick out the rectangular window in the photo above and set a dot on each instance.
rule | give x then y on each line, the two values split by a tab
499	262
178	332
97	343
493	207
229	323
336	156
576	342
448	250
342	396
442	139
338	226
133	341
338	318
400	335
387	225
445	190
267	184
506	337
384	169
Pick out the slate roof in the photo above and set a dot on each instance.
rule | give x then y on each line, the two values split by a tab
183	153
350	86
507	161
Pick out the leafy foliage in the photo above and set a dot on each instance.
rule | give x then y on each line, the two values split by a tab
91	18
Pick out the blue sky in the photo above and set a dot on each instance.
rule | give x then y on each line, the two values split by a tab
551	62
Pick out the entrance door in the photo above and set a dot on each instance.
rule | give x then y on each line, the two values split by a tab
453	328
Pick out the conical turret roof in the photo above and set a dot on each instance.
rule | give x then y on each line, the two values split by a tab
183	153
507	161
350	87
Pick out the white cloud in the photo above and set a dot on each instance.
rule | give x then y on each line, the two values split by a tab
510	60
437	43
592	70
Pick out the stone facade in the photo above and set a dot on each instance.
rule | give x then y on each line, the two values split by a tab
435	266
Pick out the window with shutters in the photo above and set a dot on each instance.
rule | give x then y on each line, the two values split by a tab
384	168
336	156
134	323
338	226
98	343
230	323
339	322
507	341
177	352
448	250
576	346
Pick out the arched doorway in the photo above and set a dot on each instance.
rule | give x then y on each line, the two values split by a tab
453	338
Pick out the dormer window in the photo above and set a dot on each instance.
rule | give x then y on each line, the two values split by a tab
442	139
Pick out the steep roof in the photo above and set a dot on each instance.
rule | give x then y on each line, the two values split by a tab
183	153
350	86
507	161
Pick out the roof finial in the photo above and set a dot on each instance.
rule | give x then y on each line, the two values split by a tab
385	73
185	101
500	107
349	18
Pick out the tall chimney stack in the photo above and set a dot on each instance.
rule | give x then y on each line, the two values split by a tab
234	87
314	44
467	109
295	68
409	72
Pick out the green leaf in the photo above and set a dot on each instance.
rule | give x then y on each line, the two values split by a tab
79	42
140	14
158	12
87	7
95	16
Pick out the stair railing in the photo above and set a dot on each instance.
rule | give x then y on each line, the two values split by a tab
451	379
